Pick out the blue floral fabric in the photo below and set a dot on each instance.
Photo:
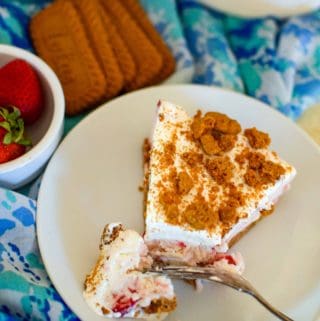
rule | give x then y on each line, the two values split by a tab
276	61
214	60
14	21
26	292
165	17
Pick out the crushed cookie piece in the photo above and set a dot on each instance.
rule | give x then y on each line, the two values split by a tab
267	212
192	158
228	215
252	178
166	197
267	173
146	167
260	171
136	314
161	305
94	277
271	171
235	197
256	160
105	310
209	144
167	157
146	151
202	125
256	138
184	183
188	135
224	124
234	127
209	120
172	175
108	238
197	125
200	216
172	214
242	157
221	169
161	117
227	142
213	193
216	132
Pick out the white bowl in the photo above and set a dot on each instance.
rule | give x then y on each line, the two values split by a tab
260	8
45	133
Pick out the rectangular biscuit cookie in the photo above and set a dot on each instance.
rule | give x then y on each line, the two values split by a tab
140	17
121	51
89	11
60	39
146	56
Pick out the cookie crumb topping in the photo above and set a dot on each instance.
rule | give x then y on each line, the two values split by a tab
184	183
161	305
205	184
256	138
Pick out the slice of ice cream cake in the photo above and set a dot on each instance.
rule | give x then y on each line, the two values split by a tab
116	286
207	181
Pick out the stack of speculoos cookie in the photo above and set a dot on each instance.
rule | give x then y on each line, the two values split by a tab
100	49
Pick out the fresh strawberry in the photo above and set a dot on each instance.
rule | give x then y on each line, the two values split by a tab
20	87
11	151
12	140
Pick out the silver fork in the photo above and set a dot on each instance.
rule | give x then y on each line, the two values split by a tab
225	277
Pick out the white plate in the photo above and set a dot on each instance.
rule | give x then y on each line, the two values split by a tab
93	179
260	8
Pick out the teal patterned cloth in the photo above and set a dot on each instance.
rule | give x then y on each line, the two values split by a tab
26	292
276	61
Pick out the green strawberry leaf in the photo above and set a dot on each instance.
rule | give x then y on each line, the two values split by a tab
20	123
25	142
17	136
16	111
11	122
7	139
14	125
4	112
19	131
5	125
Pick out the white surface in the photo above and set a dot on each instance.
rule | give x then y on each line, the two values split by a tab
45	133
259	8
93	179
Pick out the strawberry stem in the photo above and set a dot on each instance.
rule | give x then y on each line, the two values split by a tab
14	125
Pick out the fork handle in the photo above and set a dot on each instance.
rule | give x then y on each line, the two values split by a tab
272	309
